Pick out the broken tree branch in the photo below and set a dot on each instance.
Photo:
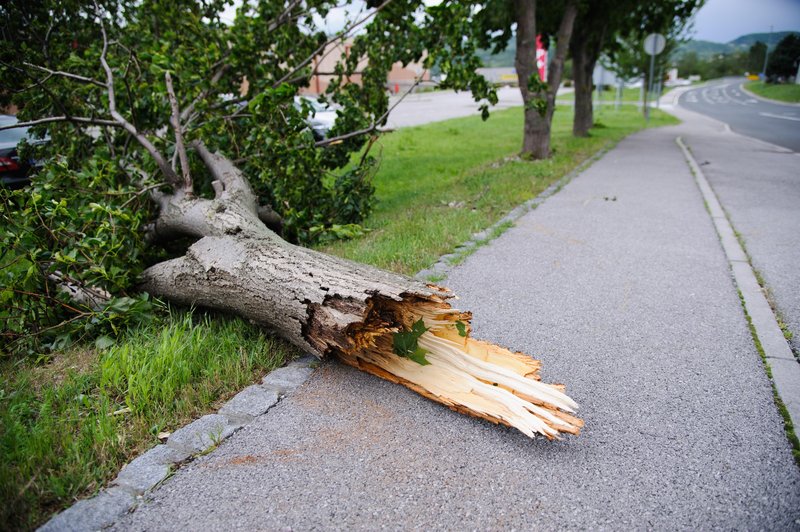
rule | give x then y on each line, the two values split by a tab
339	36
91	297
375	123
333	307
176	126
161	162
67	75
75	119
187	115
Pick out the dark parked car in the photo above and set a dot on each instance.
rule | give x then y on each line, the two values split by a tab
14	173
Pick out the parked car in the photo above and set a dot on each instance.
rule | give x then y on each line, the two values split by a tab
15	173
322	116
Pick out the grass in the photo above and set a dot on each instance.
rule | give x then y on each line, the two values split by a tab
784	92
60	438
440	183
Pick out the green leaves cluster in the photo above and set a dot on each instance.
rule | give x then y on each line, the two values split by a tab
538	89
75	226
406	343
85	215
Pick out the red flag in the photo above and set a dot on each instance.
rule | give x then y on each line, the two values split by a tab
541	58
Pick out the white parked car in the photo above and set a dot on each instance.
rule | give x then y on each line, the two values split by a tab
322	116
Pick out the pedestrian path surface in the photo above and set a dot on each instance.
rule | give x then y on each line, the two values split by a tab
758	185
619	284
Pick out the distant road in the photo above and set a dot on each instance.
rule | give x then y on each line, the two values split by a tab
426	107
726	101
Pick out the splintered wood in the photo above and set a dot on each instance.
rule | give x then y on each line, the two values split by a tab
468	375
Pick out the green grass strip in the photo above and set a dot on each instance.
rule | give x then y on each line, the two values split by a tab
59	438
783	92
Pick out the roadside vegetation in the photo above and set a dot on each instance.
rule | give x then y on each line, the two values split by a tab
70	419
776	61
788	92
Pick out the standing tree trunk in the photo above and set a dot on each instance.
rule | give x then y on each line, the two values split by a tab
333	307
584	59
539	98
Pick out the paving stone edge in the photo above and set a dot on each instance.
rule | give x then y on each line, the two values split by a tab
199	437
779	358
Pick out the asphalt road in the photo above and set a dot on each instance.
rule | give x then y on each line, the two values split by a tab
425	107
725	100
619	284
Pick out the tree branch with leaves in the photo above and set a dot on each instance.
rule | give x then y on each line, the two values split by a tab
198	236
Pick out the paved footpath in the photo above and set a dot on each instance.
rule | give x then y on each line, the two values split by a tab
758	184
620	285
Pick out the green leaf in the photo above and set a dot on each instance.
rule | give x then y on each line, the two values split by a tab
406	344
419	328
462	329
104	342
419	357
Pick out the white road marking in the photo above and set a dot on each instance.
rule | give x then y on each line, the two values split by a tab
784	117
731	99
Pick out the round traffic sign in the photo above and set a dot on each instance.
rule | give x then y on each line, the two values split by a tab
654	44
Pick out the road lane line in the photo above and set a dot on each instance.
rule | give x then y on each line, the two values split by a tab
781	116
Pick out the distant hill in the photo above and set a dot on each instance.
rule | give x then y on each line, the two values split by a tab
770	38
703	49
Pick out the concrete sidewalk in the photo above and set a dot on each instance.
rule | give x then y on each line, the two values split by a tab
620	285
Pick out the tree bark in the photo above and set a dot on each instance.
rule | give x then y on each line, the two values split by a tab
585	52
539	118
582	69
333	307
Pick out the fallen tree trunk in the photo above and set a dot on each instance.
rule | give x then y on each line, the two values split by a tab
333	307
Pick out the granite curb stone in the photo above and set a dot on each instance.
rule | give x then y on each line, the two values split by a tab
251	402
146	471
92	514
202	434
286	379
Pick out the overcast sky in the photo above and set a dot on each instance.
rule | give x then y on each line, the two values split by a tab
718	20
724	20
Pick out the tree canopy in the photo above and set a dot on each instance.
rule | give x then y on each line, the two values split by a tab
124	88
784	60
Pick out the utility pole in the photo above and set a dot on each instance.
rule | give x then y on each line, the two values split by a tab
766	56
